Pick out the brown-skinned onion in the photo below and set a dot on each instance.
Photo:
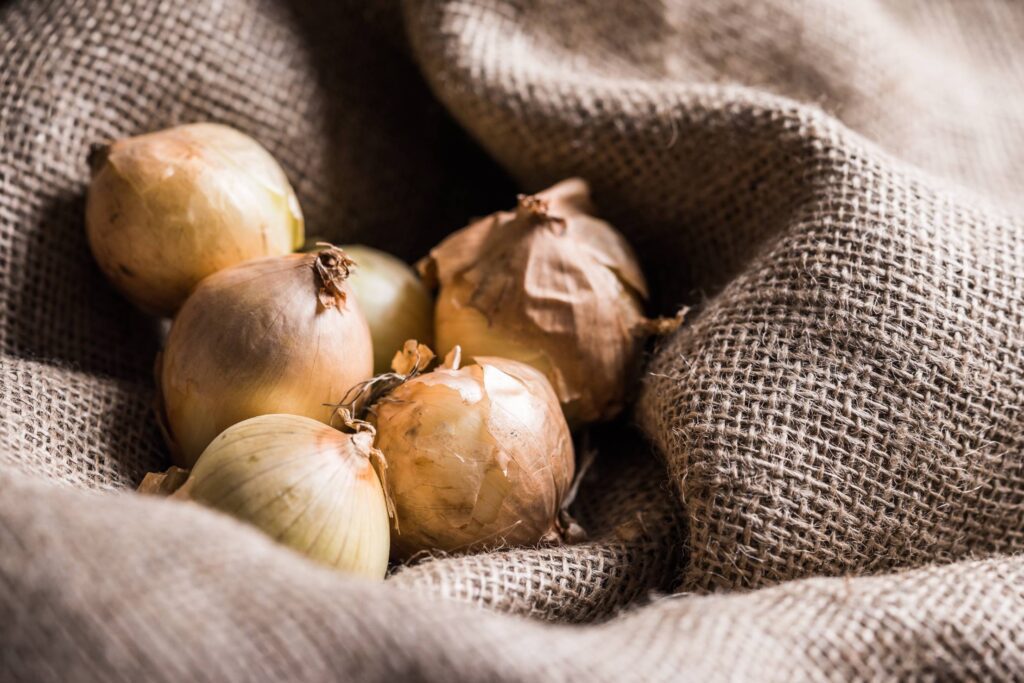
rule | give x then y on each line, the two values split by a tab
478	457
551	285
276	335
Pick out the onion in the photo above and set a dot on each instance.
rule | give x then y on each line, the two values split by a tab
276	335
550	285
396	304
478	457
167	209
307	485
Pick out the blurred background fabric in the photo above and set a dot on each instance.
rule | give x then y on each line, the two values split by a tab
822	477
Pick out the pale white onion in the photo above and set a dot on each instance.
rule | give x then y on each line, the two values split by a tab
305	484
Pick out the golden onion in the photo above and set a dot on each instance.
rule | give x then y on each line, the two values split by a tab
303	483
276	335
396	304
478	457
167	209
552	286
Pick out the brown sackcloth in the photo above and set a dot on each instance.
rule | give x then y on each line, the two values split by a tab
836	189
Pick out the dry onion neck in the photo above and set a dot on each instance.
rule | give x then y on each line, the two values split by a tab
332	266
535	211
661	326
358	402
366	433
363	435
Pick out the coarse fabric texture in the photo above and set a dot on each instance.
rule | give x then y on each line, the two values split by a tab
833	188
179	594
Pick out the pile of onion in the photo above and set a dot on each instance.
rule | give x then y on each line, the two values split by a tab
551	285
269	351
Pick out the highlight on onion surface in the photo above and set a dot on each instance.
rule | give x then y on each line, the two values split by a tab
166	209
478	456
303	483
551	285
275	335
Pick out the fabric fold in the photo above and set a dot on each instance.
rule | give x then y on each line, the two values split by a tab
830	474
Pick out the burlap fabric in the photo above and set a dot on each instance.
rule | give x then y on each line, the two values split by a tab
835	190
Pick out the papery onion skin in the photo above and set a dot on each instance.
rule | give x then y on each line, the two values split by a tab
166	209
396	304
551	285
256	339
478	458
306	485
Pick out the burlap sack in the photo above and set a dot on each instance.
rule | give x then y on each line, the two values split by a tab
848	399
834	188
178	594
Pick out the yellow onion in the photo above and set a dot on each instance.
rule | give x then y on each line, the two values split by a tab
169	208
303	483
550	285
396	304
478	457
275	335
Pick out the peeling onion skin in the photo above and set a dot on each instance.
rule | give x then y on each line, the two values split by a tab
396	304
478	458
550	285
256	339
306	485
166	209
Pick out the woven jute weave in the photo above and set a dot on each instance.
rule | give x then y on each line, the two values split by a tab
825	476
